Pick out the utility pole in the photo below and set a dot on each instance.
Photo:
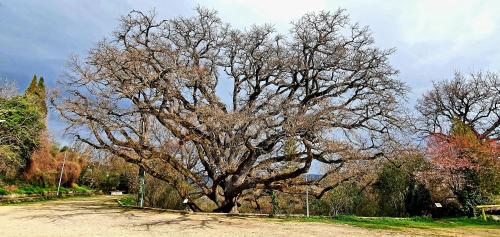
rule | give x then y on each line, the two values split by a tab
142	180
307	198
142	172
62	171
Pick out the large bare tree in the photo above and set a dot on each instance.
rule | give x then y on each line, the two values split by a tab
473	99
197	99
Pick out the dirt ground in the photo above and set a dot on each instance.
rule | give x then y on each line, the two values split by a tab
100	216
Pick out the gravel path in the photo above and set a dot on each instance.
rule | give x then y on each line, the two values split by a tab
100	216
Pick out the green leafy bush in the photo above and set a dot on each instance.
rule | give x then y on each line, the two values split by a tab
128	201
347	198
399	192
3	191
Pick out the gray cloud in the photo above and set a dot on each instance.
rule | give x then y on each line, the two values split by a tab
433	38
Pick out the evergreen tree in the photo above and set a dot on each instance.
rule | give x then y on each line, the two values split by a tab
36	93
32	87
41	96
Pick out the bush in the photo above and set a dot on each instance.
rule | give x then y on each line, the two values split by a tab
347	199
10	162
128	201
72	166
109	174
80	189
3	191
42	168
159	194
399	191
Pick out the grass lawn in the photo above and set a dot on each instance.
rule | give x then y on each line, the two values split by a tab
398	223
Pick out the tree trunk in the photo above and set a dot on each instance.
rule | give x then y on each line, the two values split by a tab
229	205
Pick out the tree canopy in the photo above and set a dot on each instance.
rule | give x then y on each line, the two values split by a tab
196	98
472	99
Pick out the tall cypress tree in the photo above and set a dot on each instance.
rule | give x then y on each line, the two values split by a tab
36	93
41	94
32	88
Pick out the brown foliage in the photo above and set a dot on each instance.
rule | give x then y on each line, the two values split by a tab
72	167
44	169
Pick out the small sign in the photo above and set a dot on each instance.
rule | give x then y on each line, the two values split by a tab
116	193
437	204
185	201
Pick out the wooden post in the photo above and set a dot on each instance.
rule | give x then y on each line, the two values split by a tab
483	213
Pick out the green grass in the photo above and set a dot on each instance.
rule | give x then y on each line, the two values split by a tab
398	223
42	200
29	189
82	189
128	201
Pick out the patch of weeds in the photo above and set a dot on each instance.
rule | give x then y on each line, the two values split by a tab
128	201
81	189
398	223
30	189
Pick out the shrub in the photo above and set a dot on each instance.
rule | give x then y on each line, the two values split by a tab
399	191
348	199
81	189
42	168
159	194
109	174
72	167
3	191
128	201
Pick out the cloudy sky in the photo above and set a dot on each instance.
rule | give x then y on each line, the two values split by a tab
433	38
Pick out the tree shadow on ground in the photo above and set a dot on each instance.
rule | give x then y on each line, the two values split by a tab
54	211
61	210
184	220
